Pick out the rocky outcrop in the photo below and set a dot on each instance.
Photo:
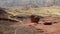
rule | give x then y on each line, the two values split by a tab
5	17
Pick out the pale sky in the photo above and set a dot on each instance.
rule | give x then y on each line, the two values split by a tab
11	3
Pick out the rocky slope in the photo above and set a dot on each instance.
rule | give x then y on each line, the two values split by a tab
17	20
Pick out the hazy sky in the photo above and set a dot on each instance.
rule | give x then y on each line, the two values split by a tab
11	3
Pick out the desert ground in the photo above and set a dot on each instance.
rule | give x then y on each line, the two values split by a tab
18	21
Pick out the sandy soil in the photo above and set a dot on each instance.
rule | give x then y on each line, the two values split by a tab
47	25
